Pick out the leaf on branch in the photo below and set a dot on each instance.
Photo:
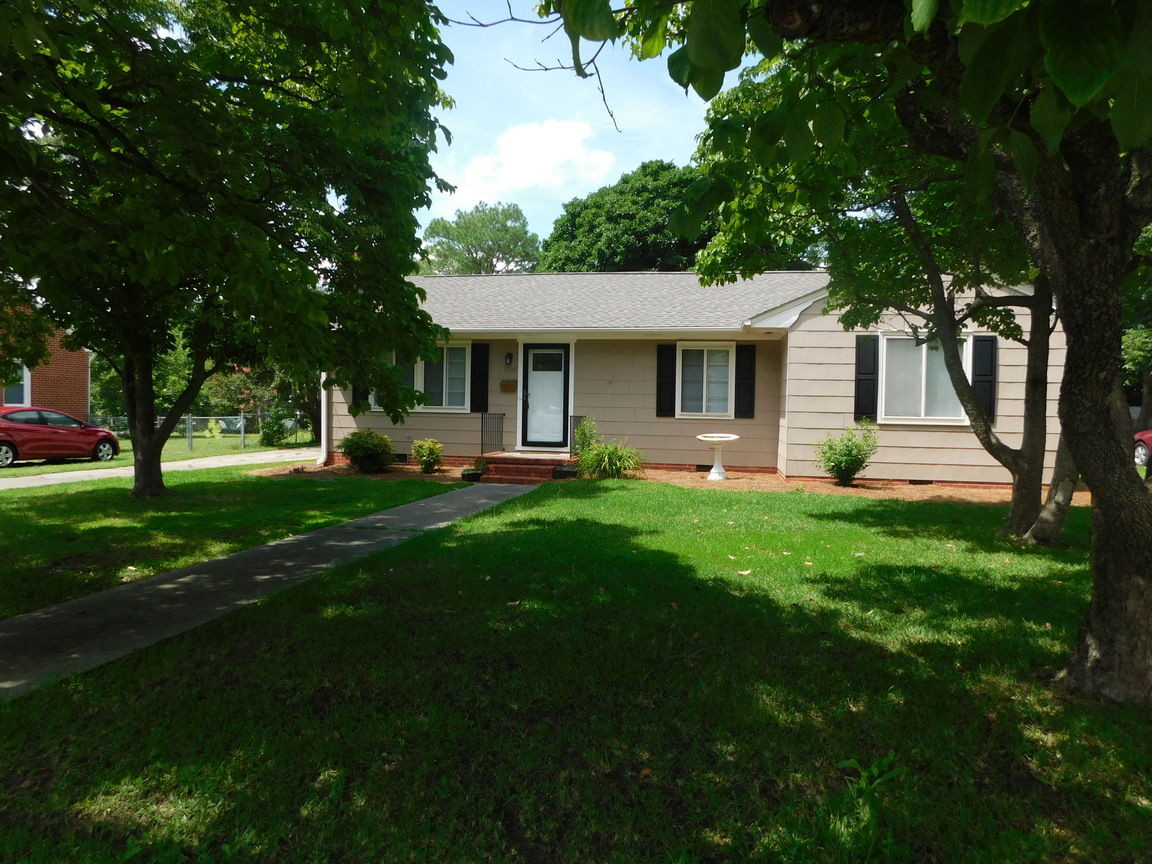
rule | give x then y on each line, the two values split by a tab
707	83
1084	45
987	11
1050	116
714	34
923	13
766	40
1005	52
1131	112
828	124
590	19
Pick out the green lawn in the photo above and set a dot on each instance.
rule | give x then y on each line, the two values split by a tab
174	451
612	672
63	541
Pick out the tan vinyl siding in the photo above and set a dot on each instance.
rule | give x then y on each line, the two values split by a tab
459	432
616	383
820	401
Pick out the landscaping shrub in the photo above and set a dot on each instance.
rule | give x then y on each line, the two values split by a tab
428	453
584	435
369	452
274	429
608	460
846	455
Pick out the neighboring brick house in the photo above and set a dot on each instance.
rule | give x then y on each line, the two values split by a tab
61	383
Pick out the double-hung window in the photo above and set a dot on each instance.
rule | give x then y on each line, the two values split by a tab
705	379
914	382
444	380
19	392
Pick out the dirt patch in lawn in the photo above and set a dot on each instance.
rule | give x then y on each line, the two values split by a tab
863	488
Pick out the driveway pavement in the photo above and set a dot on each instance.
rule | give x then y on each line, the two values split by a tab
52	643
251	457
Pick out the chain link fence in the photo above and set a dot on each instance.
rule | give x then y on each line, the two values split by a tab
237	432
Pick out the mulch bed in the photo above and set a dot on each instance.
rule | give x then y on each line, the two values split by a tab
737	481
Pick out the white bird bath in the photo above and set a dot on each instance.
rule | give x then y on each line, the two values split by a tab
717	440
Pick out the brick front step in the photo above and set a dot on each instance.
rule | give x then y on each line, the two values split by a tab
535	480
521	467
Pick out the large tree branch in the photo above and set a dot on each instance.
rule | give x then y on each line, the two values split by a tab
867	21
948	335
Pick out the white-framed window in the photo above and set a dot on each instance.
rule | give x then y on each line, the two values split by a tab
445	380
914	384
19	392
705	379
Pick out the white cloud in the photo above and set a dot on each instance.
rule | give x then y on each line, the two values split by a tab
549	158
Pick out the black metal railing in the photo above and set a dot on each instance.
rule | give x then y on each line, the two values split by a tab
573	422
491	432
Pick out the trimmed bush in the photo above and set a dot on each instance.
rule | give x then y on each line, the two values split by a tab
845	456
369	452
428	453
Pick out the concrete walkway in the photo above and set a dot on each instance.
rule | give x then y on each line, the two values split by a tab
51	643
251	457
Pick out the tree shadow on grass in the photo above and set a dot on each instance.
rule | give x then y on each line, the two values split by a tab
976	527
78	541
556	690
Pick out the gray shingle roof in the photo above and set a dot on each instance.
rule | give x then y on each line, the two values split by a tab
607	301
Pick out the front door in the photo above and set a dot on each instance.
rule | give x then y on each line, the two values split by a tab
545	410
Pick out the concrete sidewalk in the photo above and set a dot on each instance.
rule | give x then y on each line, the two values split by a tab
252	457
51	643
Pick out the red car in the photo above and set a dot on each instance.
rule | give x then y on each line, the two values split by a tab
41	433
1143	446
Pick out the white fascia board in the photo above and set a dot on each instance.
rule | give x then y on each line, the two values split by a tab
564	334
784	316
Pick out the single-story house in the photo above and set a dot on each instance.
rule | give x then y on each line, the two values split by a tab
657	359
62	383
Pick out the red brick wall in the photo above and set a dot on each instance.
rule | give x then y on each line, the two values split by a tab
62	382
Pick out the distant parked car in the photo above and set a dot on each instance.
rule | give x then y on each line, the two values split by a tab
41	433
1143	446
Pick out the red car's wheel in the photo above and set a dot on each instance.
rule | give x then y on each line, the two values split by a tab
1140	453
103	452
7	454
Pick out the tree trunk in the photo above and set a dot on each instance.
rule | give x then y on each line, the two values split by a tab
1027	488
148	437
1113	656
147	444
1050	522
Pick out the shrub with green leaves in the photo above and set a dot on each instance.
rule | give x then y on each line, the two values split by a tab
367	451
584	435
274	428
845	456
609	460
428	453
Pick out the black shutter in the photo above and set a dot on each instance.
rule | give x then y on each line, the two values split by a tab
479	394
867	376
665	380
745	381
359	398
984	374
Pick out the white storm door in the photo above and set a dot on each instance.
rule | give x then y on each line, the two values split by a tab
546	396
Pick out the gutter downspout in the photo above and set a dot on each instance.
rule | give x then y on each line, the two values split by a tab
325	423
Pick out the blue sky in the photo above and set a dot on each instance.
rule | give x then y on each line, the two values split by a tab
539	139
